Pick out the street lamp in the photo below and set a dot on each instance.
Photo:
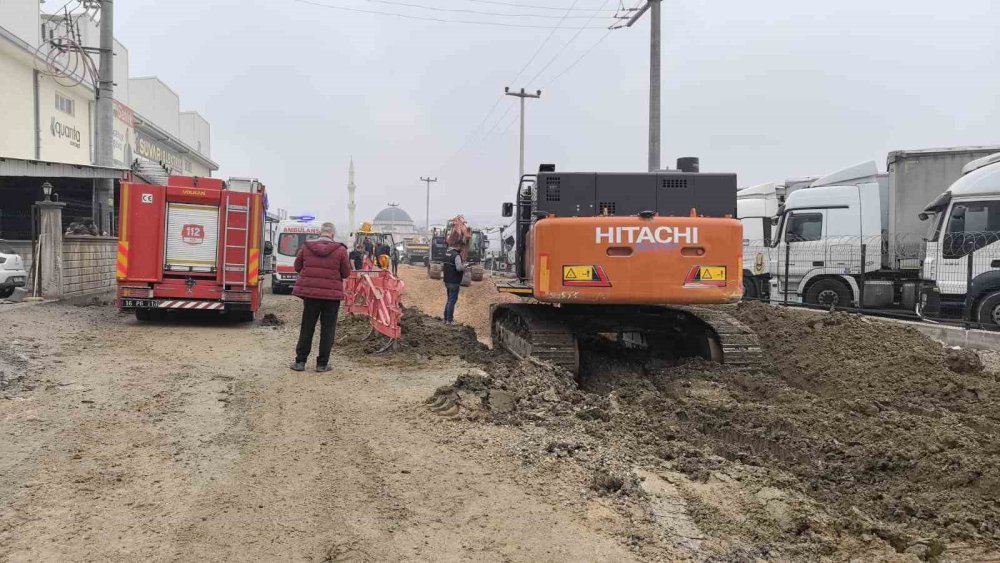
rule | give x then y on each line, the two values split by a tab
47	190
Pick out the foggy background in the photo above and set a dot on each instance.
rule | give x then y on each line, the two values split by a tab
766	89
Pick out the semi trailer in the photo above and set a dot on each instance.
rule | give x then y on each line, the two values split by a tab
921	236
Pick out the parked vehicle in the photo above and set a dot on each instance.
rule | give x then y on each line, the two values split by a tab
415	249
12	273
756	207
192	244
290	235
860	237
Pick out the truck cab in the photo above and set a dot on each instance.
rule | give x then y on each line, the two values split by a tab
816	255
962	255
756	206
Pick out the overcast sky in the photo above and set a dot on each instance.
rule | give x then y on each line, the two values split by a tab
766	89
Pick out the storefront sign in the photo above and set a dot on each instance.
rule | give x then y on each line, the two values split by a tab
124	135
151	149
65	131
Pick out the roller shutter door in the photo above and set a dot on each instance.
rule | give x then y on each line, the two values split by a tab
192	237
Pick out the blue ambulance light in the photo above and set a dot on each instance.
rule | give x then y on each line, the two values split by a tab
303	218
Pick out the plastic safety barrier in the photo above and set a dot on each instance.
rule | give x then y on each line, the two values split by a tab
376	294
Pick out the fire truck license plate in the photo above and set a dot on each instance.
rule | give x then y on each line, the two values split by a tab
139	303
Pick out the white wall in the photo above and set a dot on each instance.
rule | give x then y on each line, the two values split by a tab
20	17
64	137
196	132
17	107
154	100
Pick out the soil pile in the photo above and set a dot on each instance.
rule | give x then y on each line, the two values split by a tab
862	418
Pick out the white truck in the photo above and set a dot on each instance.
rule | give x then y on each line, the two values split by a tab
902	239
756	208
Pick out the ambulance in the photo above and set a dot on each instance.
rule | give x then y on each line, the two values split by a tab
290	235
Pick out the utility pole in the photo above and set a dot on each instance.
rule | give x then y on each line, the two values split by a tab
105	188
427	217
653	6
522	94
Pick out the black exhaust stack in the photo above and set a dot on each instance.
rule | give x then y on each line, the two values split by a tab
688	164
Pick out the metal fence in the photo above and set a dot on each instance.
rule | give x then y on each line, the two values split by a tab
880	275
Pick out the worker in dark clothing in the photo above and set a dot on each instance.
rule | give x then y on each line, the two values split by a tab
322	264
370	248
383	251
357	258
454	268
395	261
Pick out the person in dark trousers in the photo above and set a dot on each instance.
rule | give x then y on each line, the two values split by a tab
395	261
453	271
370	248
322	264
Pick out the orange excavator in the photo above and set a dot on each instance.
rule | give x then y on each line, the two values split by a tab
629	258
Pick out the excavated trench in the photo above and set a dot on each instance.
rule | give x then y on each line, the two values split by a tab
892	436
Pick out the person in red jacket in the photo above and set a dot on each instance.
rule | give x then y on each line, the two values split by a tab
322	264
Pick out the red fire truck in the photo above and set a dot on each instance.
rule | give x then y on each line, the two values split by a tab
193	244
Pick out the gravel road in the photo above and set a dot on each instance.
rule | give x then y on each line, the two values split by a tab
191	440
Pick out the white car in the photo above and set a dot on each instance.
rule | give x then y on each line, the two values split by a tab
12	272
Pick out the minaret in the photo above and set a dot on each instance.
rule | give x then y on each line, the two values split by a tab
350	200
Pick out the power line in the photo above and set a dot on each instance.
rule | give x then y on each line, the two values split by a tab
485	13
422	18
577	61
544	43
535	7
565	46
493	108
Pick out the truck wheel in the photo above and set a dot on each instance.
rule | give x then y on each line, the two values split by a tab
142	315
829	293
6	292
750	289
988	310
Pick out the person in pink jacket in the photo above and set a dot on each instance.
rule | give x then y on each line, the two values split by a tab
322	264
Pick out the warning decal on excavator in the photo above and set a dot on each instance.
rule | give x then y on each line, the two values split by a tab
585	276
706	276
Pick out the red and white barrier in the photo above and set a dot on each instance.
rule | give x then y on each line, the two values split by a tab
376	294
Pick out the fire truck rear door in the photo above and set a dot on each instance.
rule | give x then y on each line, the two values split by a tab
192	237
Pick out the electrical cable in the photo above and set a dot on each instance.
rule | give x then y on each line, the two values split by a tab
423	18
485	13
535	7
577	61
565	46
544	43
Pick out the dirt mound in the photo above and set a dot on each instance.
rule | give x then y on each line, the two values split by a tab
270	319
869	419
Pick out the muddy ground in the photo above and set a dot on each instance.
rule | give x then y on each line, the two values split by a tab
857	437
190	439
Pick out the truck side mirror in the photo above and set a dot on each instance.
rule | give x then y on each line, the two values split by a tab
268	248
508	210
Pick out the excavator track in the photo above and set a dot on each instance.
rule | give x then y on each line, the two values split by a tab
546	333
535	332
738	344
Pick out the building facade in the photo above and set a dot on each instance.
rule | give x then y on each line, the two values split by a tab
48	113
